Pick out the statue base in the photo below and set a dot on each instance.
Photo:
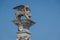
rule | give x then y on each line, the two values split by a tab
24	22
23	28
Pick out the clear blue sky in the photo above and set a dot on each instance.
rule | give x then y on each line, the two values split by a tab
46	14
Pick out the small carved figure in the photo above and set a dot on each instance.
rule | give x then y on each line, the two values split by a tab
23	11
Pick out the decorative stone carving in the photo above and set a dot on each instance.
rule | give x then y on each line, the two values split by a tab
23	24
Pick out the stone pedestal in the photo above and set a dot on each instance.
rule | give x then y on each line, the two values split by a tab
23	29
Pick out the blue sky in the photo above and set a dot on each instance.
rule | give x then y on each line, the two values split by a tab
46	14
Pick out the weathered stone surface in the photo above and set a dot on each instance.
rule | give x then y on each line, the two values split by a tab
23	24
